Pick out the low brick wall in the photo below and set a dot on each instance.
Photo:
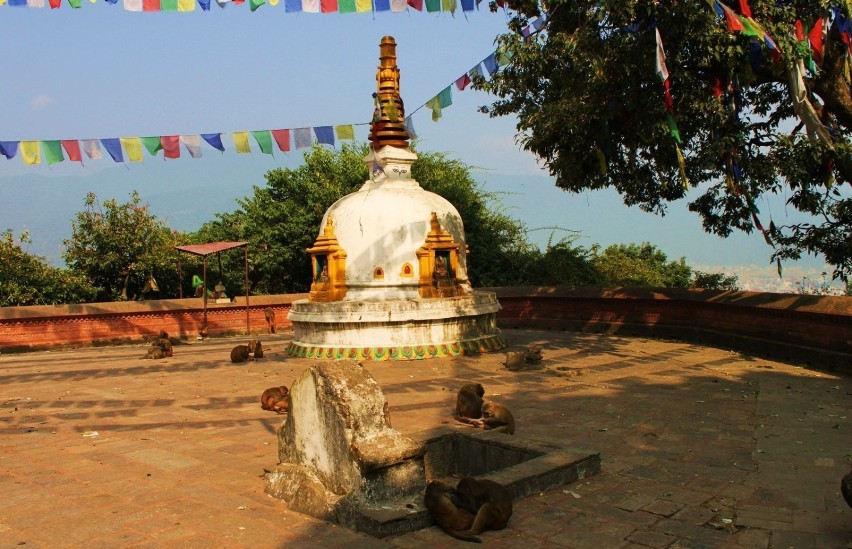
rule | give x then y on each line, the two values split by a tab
807	329
815	330
46	326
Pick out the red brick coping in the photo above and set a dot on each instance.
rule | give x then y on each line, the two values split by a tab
802	328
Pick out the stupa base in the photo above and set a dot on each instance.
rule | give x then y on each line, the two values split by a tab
407	329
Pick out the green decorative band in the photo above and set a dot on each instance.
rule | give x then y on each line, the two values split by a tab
408	352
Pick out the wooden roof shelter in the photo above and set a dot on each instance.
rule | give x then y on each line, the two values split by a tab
214	248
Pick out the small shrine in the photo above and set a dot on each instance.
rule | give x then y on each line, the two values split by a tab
390	262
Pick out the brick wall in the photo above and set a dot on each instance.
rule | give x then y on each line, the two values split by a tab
801	328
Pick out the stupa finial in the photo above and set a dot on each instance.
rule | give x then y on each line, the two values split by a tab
388	125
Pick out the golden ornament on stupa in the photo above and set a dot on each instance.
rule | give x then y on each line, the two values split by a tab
388	125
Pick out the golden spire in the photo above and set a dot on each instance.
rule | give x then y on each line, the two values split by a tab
388	125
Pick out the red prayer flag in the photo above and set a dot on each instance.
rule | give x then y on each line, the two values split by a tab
54	4
282	137
744	8
463	82
171	146
734	23
328	6
799	29
150	5
667	95
72	149
416	4
815	38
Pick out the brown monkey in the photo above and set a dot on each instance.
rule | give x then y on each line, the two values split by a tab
256	348
156	352
490	503
494	417
275	399
269	314
165	343
442	503
469	401
240	353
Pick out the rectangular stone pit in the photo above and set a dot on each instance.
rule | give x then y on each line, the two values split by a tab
524	467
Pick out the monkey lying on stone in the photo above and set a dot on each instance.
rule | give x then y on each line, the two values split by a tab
256	348
443	503
495	417
469	401
488	501
241	353
275	399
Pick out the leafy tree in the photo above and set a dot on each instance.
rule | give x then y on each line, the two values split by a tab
27	279
280	220
640	265
563	264
749	119
119	247
715	281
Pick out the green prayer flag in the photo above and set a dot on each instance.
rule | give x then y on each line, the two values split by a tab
346	6
749	29
254	4
673	128
433	5
52	151
345	131
392	112
435	105
264	140
504	56
152	144
74	3
448	5
445	97
168	5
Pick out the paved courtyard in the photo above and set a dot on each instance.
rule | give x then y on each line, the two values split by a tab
700	447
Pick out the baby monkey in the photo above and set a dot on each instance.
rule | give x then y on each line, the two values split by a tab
495	417
275	399
256	348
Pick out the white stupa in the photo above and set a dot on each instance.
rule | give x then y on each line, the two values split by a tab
390	263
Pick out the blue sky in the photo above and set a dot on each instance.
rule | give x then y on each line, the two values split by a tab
101	72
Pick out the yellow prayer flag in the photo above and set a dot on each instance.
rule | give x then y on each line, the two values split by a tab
363	5
30	152
132	147
345	131
241	142
186	5
273	2
2	2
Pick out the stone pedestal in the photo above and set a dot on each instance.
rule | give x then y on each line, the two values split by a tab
338	454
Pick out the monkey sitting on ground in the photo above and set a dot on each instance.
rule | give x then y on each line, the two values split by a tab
165	343
269	314
488	501
443	502
241	353
256	348
495	417
469	401
275	399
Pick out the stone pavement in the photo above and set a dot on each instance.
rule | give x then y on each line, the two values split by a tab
701	447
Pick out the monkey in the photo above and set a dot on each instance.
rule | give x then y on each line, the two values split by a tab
846	488
241	353
256	348
488	501
469	401
533	354
275	399
156	352
442	502
494	417
269	314
165	343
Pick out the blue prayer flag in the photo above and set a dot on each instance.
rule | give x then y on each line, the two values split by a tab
9	148
490	63
292	5
113	147
468	5
381	5
325	134
214	140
